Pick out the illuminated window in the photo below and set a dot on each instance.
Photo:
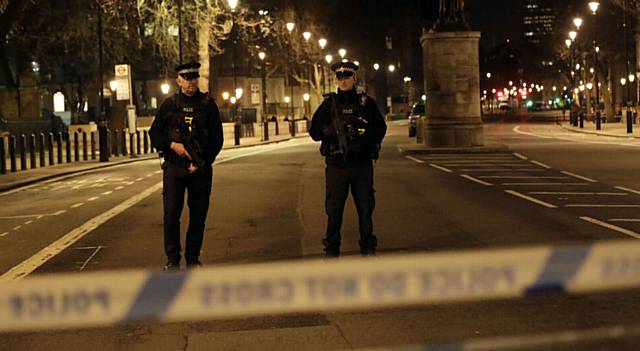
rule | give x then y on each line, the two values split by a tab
58	102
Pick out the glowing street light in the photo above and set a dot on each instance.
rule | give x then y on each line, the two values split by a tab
305	97
342	53
623	81
328	58
577	22
290	26
407	79
567	42
376	66
262	55
164	88
632	78
572	35
322	42
593	6
233	99
232	4
392	68
488	74
239	93
306	36
287	99
225	95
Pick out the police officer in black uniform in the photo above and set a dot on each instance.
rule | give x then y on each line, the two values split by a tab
351	129
188	131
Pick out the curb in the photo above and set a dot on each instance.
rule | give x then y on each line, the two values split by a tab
572	129
5	188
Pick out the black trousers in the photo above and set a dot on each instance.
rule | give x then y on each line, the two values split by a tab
176	180
359	178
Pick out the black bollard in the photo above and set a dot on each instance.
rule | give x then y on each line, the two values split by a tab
629	122
59	145
103	140
236	133
50	148
132	151
124	142
265	133
116	143
42	158
146	141
93	145
581	119
76	147
12	153
84	146
598	120
277	127
67	139
138	142
23	152
32	151
3	161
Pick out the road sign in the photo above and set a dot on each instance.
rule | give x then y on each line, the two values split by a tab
124	82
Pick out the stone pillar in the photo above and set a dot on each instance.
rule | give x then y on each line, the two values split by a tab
452	85
203	56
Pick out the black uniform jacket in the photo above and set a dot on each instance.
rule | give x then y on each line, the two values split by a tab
322	127
214	136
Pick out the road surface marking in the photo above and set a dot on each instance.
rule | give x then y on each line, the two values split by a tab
90	257
574	193
129	183
602	206
520	156
475	180
440	167
532	199
119	187
501	170
157	172
517	130
32	263
149	175
524	177
579	176
627	189
139	179
17	227
28	222
482	164
540	164
77	205
4	234
93	198
537	184
107	192
38	216
624	220
37	260
612	227
414	159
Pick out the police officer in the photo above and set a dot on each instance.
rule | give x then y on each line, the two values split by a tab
188	131
351	129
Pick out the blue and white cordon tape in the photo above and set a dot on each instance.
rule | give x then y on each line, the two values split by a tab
104	298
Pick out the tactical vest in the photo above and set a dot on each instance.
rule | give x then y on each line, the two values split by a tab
351	112
190	118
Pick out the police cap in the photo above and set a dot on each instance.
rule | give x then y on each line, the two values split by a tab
188	70
344	67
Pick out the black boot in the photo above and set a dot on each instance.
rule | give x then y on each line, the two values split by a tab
172	266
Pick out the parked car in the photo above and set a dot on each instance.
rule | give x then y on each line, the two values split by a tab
417	111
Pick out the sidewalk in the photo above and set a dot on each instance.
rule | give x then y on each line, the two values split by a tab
617	129
19	179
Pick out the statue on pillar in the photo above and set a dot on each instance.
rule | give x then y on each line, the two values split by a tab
451	17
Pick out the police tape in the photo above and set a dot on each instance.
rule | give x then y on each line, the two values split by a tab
106	298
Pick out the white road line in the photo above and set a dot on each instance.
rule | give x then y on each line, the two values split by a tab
517	130
90	257
574	193
440	167
129	183
501	170
539	184
32	263
540	164
139	179
414	159
601	206
38	216
4	234
157	172
28	222
107	192
119	187
77	205
149	175
579	176
520	156
627	189
93	198
475	180
624	219
532	199
17	227
612	227
482	164
35	261
523	177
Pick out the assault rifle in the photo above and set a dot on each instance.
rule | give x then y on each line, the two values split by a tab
339	127
184	134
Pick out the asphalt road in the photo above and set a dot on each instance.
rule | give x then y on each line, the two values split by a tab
552	187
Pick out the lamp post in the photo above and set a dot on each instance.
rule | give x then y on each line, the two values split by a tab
572	113
342	53
307	36
236	117
102	118
265	122
626	61
290	26
322	42
391	68
593	6
328	59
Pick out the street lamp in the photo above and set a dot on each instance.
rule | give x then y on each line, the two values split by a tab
593	5
290	26
572	35
225	95
342	53
376	66
322	42
164	87
265	124
392	68
577	22
234	37
306	36
488	74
